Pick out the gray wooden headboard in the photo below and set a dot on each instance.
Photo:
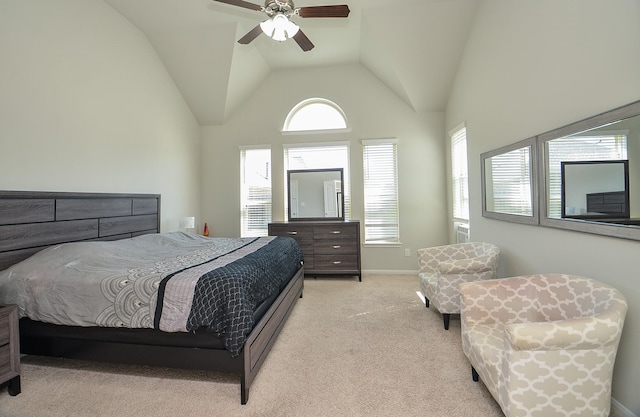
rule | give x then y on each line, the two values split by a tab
31	220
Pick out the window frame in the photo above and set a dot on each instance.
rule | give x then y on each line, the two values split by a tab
245	222
373	218
315	145
459	174
295	111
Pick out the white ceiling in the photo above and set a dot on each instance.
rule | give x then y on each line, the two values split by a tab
413	46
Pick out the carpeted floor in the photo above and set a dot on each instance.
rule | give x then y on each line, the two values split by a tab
349	348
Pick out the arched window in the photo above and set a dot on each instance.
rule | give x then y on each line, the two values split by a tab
315	114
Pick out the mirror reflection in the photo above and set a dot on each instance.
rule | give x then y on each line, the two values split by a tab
595	190
618	141
315	194
508	185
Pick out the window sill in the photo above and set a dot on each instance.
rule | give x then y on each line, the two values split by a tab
382	244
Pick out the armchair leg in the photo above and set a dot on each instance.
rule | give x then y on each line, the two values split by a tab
426	302
445	318
474	374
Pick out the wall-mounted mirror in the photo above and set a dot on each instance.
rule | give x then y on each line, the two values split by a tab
509	183
610	137
315	194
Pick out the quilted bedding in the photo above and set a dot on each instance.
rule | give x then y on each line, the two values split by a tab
174	282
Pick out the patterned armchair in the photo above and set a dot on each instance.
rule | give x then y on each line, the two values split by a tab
444	268
544	345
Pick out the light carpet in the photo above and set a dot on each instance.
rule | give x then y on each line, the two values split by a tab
350	348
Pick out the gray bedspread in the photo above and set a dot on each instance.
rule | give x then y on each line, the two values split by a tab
174	282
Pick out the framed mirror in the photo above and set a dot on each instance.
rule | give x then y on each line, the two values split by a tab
315	194
600	156
509	183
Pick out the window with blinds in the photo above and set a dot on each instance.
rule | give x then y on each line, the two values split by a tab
319	156
459	173
511	182
381	210
610	146
255	192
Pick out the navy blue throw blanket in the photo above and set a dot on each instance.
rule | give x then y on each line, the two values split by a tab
225	298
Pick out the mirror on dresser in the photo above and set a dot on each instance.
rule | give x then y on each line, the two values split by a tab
315	194
509	183
589	151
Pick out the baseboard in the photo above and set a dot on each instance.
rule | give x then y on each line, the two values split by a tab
619	410
389	272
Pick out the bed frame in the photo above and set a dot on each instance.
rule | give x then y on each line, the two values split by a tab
31	221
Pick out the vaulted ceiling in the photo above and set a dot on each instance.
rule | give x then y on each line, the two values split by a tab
412	46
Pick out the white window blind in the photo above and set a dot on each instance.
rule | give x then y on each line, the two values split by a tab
610	146
255	184
460	176
381	211
511	182
319	156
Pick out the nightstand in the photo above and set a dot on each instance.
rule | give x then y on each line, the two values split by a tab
10	348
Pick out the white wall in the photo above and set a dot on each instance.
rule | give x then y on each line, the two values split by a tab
86	105
373	111
532	66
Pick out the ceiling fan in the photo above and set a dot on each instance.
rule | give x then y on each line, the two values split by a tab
279	25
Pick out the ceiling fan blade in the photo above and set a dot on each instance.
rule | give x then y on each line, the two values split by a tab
324	11
241	3
251	35
302	40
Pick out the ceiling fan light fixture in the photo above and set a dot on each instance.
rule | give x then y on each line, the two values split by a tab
291	29
268	27
278	35
279	28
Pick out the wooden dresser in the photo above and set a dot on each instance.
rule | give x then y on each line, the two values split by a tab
10	348
329	247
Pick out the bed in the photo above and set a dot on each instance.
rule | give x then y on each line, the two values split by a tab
43	227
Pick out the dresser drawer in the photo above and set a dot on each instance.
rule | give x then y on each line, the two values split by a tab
308	262
335	247
305	244
336	262
291	230
335	231
302	234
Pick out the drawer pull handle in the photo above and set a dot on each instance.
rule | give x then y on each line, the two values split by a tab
337	262
292	233
336	232
336	246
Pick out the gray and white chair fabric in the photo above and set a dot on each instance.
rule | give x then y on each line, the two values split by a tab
544	345
444	268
